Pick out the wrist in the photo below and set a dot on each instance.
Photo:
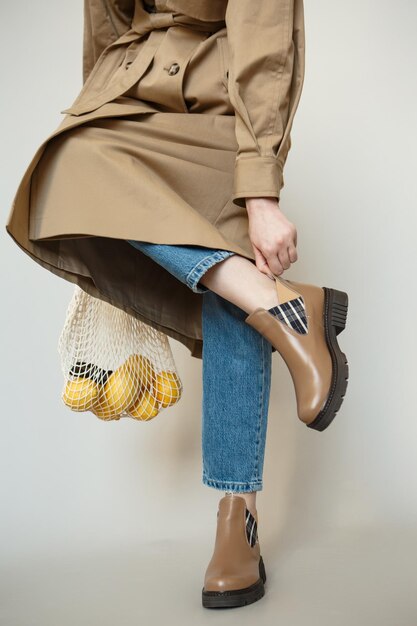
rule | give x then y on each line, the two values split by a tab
255	203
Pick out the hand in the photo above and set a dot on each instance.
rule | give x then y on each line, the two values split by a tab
272	235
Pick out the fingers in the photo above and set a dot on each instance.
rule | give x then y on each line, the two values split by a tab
278	262
274	255
292	252
284	259
275	265
261	262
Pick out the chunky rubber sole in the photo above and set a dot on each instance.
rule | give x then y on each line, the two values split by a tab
236	597
335	313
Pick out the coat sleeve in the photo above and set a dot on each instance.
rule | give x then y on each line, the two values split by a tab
266	43
104	22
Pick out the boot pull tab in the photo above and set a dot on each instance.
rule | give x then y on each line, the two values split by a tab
284	293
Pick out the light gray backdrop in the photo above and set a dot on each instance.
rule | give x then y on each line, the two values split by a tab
108	523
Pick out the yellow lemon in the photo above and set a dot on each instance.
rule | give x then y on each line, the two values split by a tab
145	408
105	412
167	388
80	394
120	390
145	369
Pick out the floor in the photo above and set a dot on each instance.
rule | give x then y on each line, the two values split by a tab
362	577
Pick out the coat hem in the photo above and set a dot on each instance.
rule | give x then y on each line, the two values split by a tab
194	344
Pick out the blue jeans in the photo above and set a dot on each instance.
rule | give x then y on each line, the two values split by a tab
236	366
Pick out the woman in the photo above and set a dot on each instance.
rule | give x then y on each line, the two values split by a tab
159	193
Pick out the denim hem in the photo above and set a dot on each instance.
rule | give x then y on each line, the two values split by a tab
226	485
202	266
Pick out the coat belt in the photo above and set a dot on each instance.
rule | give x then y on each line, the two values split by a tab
143	21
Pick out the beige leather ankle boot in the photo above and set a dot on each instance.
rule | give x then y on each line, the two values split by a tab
235	575
304	331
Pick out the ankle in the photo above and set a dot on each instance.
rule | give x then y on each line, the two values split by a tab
238	280
262	293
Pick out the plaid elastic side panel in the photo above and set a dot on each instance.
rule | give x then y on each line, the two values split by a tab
293	314
251	528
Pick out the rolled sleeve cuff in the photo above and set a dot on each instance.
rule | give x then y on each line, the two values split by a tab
256	177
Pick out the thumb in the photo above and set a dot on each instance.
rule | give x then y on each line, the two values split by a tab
261	262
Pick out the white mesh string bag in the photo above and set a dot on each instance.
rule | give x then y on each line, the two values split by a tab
113	364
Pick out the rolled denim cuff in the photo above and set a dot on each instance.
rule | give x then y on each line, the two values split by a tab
202	266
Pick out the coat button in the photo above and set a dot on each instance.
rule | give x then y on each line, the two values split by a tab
173	69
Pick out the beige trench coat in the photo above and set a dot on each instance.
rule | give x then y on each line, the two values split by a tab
185	110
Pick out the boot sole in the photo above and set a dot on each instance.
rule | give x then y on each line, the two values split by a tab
335	313
236	597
